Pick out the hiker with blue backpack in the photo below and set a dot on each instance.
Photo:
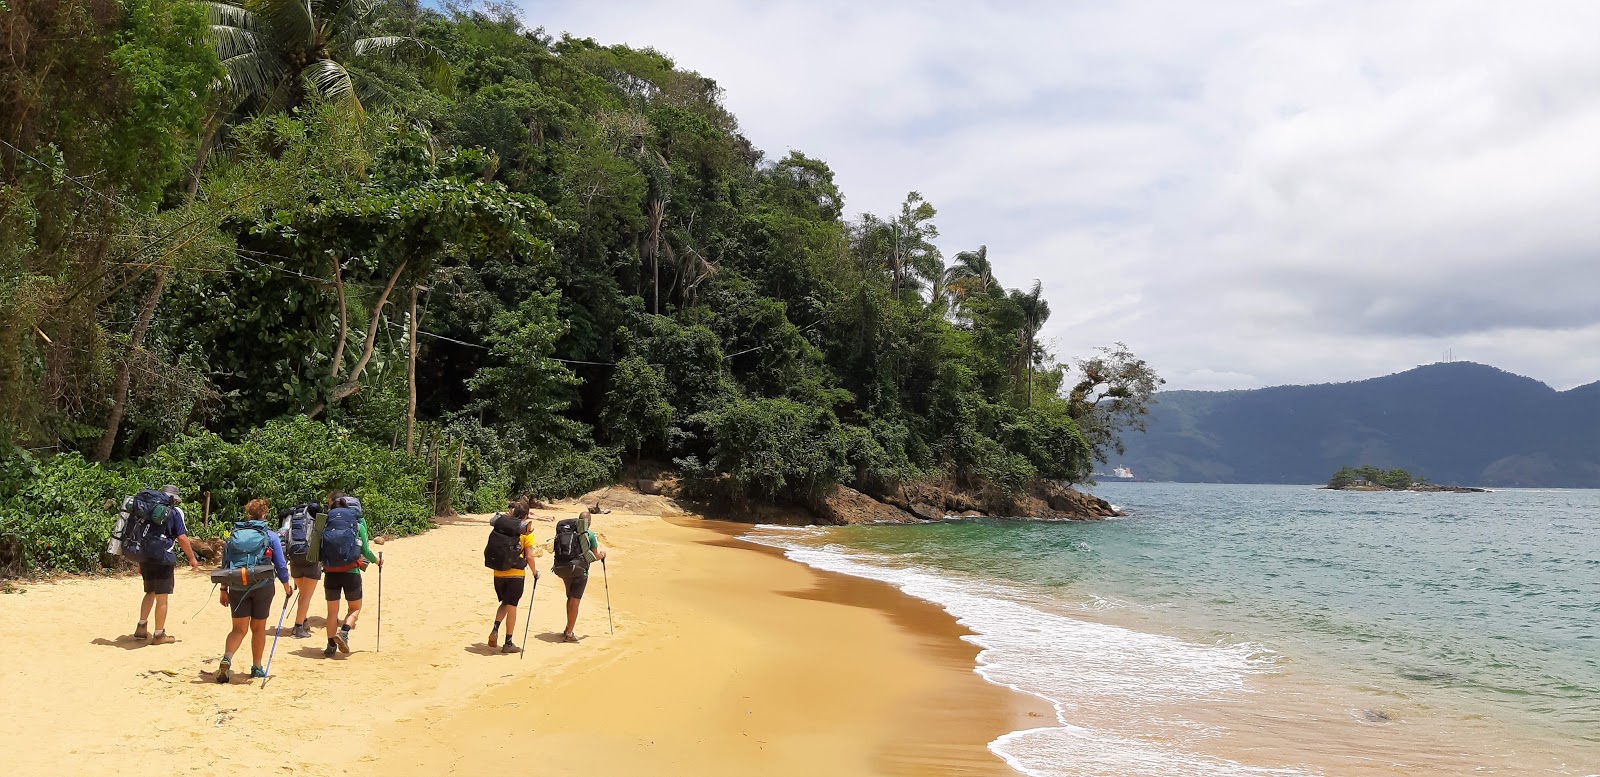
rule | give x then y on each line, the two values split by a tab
301	534
345	551
251	558
149	524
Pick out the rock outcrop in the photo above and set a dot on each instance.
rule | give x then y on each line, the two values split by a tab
846	505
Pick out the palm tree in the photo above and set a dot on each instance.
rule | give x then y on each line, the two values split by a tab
271	50
1035	311
969	277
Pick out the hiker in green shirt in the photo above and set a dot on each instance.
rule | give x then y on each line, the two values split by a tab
345	551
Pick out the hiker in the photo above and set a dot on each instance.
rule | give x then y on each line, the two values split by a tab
155	522
253	555
300	531
509	552
575	548
345	551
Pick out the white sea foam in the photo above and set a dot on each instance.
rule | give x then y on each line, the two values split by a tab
1080	667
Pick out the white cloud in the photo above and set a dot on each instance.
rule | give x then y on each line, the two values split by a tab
1246	193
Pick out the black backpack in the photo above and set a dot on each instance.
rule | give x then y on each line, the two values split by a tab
503	551
569	545
145	534
302	519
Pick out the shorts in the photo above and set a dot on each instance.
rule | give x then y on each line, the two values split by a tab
576	579
347	583
255	604
158	578
509	589
305	570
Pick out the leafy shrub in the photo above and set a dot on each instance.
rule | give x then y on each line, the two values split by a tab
767	450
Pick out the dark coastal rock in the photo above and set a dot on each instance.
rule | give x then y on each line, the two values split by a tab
932	500
845	505
927	512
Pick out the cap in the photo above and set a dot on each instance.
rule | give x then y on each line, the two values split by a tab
172	491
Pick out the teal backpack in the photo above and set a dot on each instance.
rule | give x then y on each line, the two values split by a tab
247	547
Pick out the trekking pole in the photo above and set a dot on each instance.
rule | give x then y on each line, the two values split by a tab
281	613
202	604
527	622
607	578
379	648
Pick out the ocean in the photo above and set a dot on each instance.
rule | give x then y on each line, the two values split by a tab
1273	630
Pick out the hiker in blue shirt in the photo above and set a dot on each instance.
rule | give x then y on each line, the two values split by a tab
252	604
160	576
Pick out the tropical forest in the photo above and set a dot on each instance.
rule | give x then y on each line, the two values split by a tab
441	257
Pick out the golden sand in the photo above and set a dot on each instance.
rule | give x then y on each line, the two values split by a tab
727	660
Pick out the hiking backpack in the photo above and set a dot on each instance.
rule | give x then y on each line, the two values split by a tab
503	551
341	539
297	542
146	532
569	545
247	548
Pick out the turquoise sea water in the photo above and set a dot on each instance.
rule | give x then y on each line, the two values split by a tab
1238	629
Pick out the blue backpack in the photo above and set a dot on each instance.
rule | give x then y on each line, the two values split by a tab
341	542
298	542
146	535
247	547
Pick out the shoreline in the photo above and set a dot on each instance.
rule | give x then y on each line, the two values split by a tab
724	661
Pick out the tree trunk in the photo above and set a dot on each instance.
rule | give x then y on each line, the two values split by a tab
353	385
1030	369
653	248
119	398
344	321
191	184
411	374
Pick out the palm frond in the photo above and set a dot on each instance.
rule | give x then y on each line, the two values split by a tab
230	15
252	74
403	48
334	82
288	22
231	41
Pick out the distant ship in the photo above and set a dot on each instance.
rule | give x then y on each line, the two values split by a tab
1118	474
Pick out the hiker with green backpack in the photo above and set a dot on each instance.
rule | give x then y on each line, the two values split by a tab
509	552
251	558
345	551
576	547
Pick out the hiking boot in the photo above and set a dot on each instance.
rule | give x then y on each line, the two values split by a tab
257	672
161	638
341	638
510	648
140	632
331	649
300	631
494	639
569	637
222	671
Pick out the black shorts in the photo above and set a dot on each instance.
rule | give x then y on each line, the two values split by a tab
305	570
509	589
255	604
576	579
158	578
346	583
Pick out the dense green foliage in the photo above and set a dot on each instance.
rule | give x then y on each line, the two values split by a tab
258	239
1365	475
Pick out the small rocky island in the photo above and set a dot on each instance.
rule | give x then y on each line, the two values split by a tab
1367	478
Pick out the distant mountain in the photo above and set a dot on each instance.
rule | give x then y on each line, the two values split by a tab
1453	423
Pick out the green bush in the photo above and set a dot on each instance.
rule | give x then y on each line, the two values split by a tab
767	450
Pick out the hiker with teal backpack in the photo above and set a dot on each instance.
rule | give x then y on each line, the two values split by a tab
509	552
345	551
251	558
576	547
149	524
300	531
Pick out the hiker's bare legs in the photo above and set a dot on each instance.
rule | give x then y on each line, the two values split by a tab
333	617
236	636
509	614
145	606
307	586
160	602
258	640
353	615
572	614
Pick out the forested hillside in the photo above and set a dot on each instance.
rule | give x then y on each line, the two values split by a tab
438	257
1454	423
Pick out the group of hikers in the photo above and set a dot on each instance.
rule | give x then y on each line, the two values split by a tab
327	543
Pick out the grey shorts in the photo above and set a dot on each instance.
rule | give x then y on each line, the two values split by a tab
576	578
305	570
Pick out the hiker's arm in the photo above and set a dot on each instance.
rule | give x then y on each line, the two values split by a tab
188	550
366	544
594	547
527	555
278	563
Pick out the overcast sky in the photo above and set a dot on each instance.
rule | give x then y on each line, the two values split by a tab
1248	194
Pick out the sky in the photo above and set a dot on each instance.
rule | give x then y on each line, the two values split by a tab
1247	194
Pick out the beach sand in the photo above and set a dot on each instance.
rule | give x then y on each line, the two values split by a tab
727	660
